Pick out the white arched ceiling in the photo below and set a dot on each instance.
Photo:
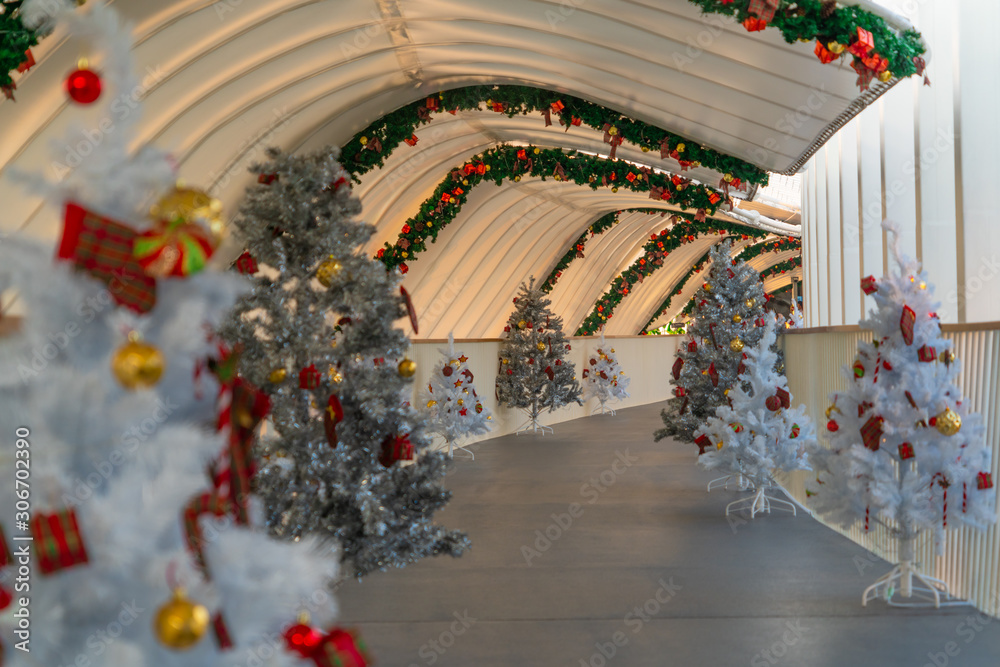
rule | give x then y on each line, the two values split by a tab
224	79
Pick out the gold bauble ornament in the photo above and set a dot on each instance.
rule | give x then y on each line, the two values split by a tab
460	402
335	376
137	365
708	288
884	76
718	445
407	367
328	271
614	189
737	318
645	149
750	303
947	357
180	623
736	345
728	178
431	403
537	151
612	350
277	376
505	361
836	48
517	178
521	324
948	422
190	205
540	346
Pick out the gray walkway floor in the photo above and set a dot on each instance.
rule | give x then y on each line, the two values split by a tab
644	570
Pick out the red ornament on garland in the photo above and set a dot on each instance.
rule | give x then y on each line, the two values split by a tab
83	85
302	639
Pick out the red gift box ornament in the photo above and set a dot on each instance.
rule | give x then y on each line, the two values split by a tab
412	140
340	648
703	443
984	480
906	451
28	63
676	369
267	179
680	392
871	433
103	247
396	448
754	24
863	44
692	346
713	374
926	353
869	285
824	54
906	321
57	540
309	377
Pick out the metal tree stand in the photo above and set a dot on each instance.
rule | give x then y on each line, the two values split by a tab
462	450
602	409
742	482
532	423
759	503
925	592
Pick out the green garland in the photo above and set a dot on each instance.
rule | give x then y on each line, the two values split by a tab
359	155
603	224
824	21
15	39
655	250
511	162
779	245
781	267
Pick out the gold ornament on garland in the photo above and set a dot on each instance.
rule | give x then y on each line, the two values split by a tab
328	271
884	76
948	422
180	623
137	365
277	376
751	302
190	205
736	345
836	48
407	367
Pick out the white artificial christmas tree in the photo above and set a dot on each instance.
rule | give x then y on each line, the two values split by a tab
603	378
97	383
904	451
758	431
454	409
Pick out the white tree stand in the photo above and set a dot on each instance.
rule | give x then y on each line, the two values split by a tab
461	450
759	503
532	423
603	409
742	482
925	592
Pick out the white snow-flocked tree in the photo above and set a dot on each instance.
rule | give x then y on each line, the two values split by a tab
453	407
904	450
603	378
758	432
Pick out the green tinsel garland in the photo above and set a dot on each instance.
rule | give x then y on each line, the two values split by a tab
805	20
15	39
511	162
658	247
396	127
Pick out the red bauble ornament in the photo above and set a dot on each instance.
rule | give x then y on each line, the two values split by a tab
302	639
83	86
447	371
832	426
773	403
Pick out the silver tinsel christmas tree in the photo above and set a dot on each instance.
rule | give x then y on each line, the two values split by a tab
317	335
728	316
534	372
